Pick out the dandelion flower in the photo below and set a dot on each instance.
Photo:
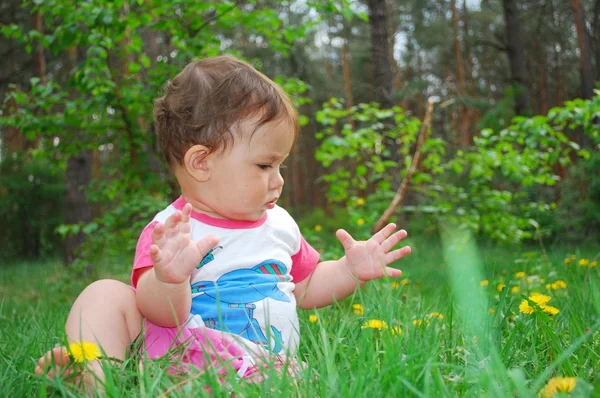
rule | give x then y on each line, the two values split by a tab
358	309
515	289
573	257
520	275
436	315
405	281
360	201
312	318
360	221
559	284
83	351
397	330
492	311
525	308
567	260
556	385
540	299
584	261
548	309
484	282
594	264
419	322
318	228
374	324
500	287
395	285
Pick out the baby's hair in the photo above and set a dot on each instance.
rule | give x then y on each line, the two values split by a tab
207	98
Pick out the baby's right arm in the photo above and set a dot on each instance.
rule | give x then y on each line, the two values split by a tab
163	294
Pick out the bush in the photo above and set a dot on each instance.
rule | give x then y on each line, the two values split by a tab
31	207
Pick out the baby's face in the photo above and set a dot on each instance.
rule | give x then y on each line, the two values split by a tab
245	181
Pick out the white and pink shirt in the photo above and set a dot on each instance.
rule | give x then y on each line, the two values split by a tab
244	286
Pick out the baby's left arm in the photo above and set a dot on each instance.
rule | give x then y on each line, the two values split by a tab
364	260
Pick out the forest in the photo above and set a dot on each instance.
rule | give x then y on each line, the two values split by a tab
472	124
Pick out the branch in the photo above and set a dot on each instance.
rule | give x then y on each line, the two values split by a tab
411	170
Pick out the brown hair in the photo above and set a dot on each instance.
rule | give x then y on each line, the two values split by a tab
204	101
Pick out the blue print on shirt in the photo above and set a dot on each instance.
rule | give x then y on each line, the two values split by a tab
228	303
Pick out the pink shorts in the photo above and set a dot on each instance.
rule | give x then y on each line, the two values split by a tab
207	348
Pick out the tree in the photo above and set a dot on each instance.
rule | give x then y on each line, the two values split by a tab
583	42
514	43
383	72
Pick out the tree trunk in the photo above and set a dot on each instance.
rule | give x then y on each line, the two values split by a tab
392	36
78	176
516	56
463	112
470	70
346	75
39	58
77	208
583	42
383	71
596	44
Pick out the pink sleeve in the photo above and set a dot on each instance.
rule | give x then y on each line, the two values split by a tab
304	262
142	253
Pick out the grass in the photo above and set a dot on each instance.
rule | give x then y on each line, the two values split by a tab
478	343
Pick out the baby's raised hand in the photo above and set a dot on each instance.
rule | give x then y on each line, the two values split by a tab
367	260
173	252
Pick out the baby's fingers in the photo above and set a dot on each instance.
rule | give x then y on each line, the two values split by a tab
205	244
156	254
390	242
393	272
158	232
345	238
397	254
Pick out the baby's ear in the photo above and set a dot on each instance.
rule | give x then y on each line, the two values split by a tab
195	162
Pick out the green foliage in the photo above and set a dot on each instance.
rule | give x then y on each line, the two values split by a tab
578	212
490	188
31	207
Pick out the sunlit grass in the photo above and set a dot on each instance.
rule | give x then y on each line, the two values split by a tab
436	331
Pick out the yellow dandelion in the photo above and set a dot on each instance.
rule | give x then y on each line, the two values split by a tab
515	289
358	309
573	257
419	322
492	311
548	309
525	308
83	351
312	318
567	260
374	324
484	282
436	315
500	287
594	264
318	228
360	201
395	285
360	221
557	385
548	286
584	261
520	275
405	281
559	284
540	299
397	330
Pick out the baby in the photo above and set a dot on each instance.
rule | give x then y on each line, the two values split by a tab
223	268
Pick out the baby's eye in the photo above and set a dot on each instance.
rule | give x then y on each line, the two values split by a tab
264	166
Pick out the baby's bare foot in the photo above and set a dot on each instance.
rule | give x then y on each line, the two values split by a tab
55	362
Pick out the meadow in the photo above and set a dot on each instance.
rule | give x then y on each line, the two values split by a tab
462	321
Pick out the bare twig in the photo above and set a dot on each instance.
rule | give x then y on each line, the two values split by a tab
411	170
